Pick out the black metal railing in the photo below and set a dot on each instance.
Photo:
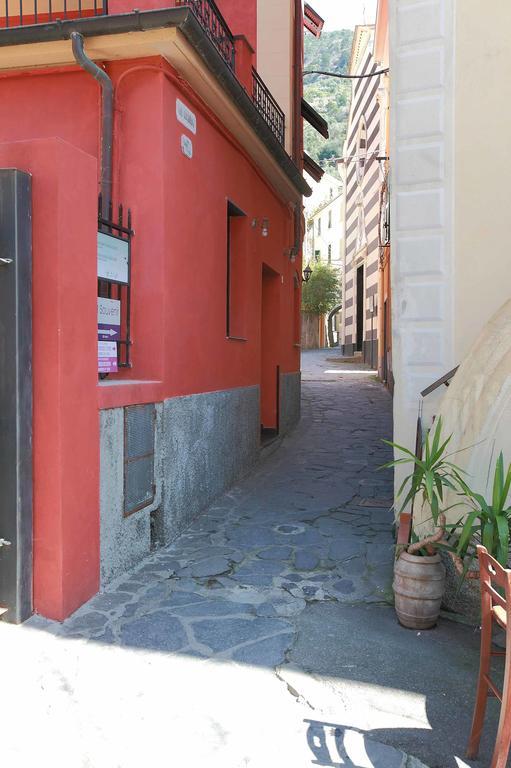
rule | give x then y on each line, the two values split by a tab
215	26
118	289
20	13
268	107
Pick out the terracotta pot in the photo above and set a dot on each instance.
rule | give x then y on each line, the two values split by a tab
418	589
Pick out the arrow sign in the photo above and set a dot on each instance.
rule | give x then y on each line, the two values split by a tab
112	333
109	319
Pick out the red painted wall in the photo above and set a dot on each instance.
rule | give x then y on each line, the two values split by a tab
241	18
66	430
179	273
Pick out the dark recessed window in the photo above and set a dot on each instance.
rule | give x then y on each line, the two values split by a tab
236	272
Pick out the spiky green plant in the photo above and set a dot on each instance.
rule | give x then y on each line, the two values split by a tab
430	475
488	521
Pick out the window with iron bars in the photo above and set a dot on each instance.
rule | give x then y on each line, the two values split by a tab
117	290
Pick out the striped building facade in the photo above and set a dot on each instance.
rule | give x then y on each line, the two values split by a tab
363	182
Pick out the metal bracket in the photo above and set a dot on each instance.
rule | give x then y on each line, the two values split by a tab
4	262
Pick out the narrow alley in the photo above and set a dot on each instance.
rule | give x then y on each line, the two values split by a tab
264	635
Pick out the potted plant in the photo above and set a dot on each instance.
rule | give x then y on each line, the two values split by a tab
419	574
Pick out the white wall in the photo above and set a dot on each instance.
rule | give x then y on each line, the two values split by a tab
422	184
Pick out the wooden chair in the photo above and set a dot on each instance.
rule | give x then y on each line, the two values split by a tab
494	607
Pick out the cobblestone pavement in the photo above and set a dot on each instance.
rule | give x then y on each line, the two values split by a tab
263	636
302	527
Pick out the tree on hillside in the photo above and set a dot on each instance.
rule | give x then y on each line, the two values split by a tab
330	97
323	291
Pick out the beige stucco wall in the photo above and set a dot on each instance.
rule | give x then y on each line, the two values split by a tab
476	408
275	24
482	192
451	178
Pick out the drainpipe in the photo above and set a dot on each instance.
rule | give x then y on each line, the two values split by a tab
298	234
107	118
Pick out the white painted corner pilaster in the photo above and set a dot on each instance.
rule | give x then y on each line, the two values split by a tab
422	106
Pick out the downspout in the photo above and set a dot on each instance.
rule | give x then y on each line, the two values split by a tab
298	231
107	118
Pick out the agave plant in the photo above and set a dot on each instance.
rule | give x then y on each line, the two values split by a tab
488	522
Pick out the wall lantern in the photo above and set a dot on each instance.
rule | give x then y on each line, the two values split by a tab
265	226
307	272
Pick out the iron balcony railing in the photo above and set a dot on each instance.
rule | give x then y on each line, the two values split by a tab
215	27
268	107
18	13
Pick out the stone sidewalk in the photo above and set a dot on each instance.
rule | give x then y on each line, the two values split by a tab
263	637
310	524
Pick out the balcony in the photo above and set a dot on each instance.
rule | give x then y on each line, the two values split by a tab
17	13
215	27
268	107
20	14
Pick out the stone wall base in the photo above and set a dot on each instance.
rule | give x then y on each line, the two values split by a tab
202	444
290	398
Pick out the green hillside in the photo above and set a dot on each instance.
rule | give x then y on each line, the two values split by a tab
328	95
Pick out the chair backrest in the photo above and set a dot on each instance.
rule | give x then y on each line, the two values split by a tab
492	572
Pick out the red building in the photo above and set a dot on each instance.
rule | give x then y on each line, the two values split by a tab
182	291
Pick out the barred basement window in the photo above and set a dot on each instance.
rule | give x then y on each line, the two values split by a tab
139	429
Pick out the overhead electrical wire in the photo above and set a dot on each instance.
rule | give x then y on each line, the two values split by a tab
346	77
355	158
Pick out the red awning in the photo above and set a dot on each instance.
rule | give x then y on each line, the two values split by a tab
312	20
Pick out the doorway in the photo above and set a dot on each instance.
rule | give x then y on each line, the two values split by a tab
360	309
270	371
15	396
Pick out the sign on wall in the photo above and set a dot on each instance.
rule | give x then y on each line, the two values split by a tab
109	319
113	259
107	357
186	116
186	146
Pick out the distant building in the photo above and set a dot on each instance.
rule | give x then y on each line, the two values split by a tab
364	176
325	223
381	54
324	241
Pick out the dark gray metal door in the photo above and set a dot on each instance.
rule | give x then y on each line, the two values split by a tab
15	395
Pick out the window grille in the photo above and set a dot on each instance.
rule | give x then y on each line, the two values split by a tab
139	430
